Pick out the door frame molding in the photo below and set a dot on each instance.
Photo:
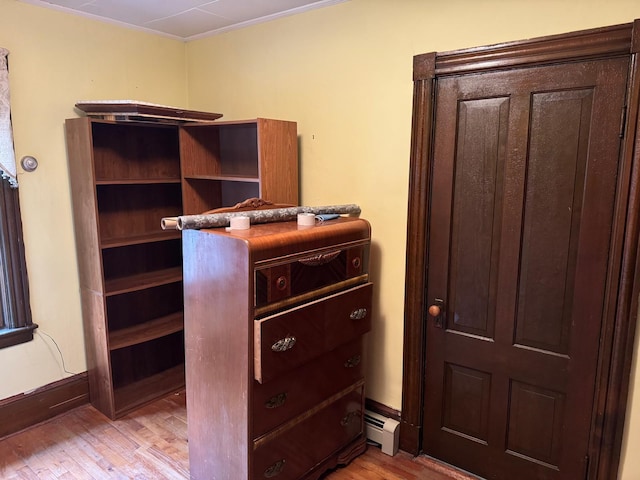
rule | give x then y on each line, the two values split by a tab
618	330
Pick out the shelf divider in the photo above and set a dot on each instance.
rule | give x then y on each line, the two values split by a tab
159	236
141	281
151	388
143	332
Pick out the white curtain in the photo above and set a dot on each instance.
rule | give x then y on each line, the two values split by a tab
7	155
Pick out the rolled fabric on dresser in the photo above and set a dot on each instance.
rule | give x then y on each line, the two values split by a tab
214	220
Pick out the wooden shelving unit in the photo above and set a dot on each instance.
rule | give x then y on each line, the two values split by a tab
225	163
127	176
124	178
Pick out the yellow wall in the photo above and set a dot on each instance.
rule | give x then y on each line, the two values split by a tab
55	60
342	72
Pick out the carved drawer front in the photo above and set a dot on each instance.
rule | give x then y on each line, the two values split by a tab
293	450
289	339
309	273
291	394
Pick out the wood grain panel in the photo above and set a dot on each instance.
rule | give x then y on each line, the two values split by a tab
144	153
197	141
289	395
144	205
148	389
223	149
317	327
80	153
413	365
308	241
586	44
233	192
143	332
305	274
278	142
297	452
238	150
466	401
135	259
527	435
217	352
480	155
137	362
97	351
200	195
133	283
553	206
27	409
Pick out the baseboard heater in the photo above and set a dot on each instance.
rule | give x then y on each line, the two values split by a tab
383	431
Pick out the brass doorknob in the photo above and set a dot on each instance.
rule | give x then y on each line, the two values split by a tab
434	310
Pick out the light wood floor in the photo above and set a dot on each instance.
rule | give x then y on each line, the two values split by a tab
150	444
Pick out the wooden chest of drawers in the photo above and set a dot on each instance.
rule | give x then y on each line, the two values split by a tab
274	321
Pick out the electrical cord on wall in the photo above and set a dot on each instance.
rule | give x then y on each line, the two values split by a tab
64	367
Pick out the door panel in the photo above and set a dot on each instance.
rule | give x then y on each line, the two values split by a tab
527	435
553	199
523	190
478	180
466	404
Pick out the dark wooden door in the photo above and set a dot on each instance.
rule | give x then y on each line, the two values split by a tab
523	191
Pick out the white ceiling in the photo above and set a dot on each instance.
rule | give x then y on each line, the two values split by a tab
184	19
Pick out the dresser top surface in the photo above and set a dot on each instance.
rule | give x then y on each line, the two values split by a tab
270	240
258	231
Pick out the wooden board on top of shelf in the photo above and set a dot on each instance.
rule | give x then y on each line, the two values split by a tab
133	110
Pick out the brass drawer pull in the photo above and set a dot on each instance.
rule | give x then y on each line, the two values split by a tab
352	362
284	344
275	469
321	259
348	418
358	314
276	401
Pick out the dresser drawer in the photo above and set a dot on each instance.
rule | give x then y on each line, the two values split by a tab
299	446
289	339
288	395
308	273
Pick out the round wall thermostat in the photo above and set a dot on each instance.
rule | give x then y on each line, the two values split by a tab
29	164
